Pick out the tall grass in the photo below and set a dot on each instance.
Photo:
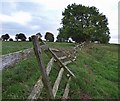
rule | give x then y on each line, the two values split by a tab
19	80
9	47
96	71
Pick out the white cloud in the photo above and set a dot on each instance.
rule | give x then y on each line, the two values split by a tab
34	27
51	12
114	40
21	17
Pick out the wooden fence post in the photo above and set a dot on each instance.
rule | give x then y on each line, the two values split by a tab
38	53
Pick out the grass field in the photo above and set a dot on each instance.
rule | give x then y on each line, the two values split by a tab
9	47
97	73
96	70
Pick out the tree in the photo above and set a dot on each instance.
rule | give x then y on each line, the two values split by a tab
20	36
30	39
16	37
49	37
39	35
62	37
10	39
82	23
5	37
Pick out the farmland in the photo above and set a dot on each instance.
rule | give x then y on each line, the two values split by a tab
9	47
96	71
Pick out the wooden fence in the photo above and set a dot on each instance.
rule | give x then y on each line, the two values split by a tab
43	81
8	60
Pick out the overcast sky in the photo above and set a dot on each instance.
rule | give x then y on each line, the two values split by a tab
32	16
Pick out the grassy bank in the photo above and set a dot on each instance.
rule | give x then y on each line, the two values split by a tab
96	70
18	80
97	73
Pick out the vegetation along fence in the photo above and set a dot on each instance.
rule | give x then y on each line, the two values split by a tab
55	58
12	58
39	48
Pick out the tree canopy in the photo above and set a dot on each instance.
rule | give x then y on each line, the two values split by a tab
5	37
20	36
39	35
49	37
83	23
10	39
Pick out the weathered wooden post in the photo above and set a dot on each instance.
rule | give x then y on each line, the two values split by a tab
51	91
38	53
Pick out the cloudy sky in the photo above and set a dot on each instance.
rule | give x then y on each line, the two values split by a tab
32	16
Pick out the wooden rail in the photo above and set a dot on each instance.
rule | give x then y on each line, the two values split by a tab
12	58
39	85
43	80
57	82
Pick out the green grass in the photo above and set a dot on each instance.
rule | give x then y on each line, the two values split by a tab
96	71
60	45
9	47
18	81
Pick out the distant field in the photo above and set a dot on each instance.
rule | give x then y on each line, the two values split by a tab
9	47
96	70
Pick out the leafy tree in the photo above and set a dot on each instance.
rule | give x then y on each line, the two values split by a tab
30	39
49	37
83	23
16	37
20	36
62	37
5	37
10	39
39	35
